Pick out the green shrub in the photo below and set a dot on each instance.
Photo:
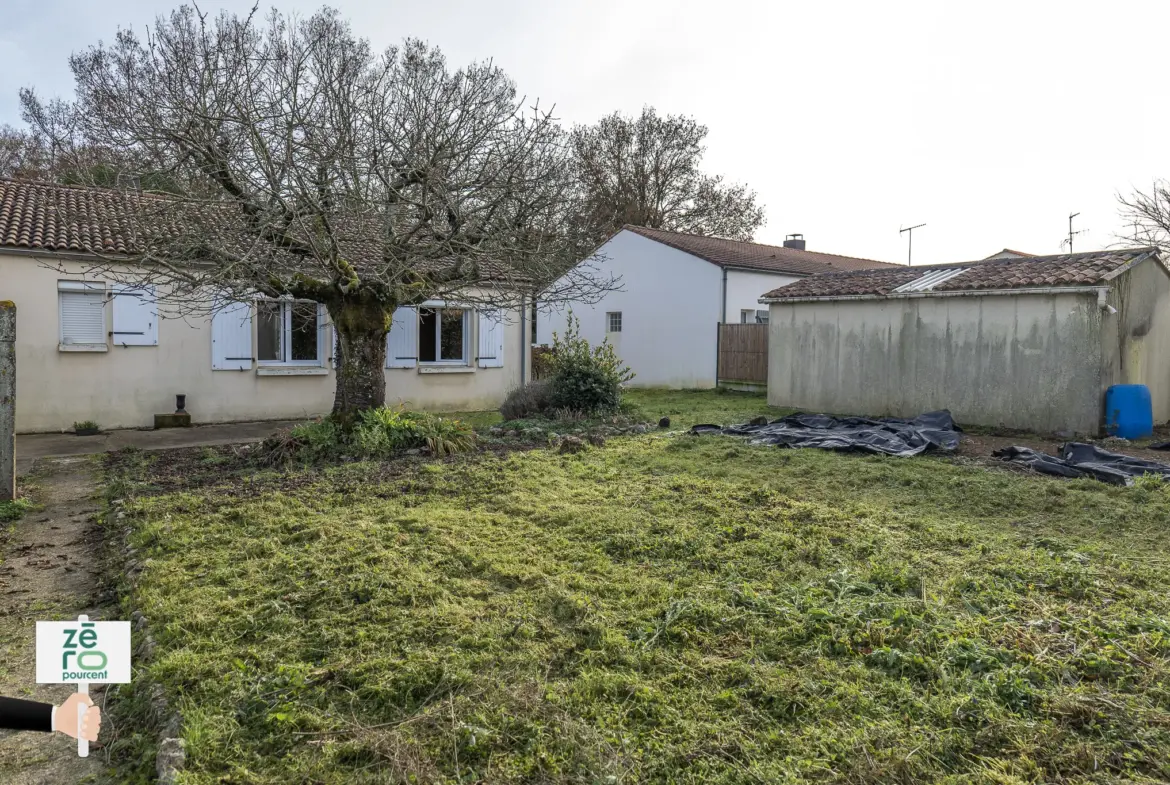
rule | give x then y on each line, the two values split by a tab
531	400
585	378
541	362
13	510
388	430
379	433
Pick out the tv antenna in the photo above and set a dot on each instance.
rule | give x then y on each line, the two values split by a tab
1071	233
910	246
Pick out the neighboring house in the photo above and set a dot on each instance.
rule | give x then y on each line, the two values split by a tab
675	288
1029	342
89	349
1008	253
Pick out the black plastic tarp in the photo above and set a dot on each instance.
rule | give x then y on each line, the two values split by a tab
887	436
1078	459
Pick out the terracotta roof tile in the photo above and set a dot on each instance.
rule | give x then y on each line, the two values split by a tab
756	256
1080	269
31	213
61	218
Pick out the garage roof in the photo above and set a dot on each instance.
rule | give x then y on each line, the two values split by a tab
1030	272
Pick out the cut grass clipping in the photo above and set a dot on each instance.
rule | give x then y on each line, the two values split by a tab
661	610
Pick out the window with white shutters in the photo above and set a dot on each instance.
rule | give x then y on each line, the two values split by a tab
491	340
135	315
231	337
81	313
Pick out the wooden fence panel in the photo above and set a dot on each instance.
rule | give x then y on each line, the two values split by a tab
743	353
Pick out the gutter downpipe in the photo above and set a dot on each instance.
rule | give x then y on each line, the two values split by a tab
523	342
723	319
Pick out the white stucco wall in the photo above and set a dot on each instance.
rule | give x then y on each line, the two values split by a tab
1021	361
745	288
670	306
126	387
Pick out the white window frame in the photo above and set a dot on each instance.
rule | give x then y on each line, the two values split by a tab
609	321
467	321
97	289
747	315
286	304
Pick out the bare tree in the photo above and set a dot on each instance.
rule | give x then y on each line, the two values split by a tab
1147	216
309	166
645	171
22	154
51	149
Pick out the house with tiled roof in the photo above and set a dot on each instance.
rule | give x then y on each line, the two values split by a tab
675	288
1020	341
88	348
1008	253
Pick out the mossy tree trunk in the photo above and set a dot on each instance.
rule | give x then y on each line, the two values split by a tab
361	356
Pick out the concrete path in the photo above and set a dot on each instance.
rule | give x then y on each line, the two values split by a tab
49	570
31	446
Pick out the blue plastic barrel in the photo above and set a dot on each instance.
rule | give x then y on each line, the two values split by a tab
1128	411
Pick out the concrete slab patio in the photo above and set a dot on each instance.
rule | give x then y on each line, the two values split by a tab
32	446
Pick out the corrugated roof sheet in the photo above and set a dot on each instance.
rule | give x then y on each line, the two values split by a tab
930	280
1030	272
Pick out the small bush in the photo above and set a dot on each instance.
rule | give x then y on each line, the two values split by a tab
531	400
85	425
541	362
13	510
379	433
585	378
388	430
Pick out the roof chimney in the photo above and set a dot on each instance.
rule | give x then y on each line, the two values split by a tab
794	241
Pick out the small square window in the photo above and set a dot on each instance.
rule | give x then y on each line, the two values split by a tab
288	332
613	322
442	335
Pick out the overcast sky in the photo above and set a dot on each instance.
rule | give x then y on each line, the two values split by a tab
989	122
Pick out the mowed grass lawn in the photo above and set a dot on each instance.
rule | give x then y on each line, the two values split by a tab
662	609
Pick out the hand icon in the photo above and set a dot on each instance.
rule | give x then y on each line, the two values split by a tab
65	717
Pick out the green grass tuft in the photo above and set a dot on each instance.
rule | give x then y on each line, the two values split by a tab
14	510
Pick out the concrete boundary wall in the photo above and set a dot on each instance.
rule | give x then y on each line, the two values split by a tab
1031	361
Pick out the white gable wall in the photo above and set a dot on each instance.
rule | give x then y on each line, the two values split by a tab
670	305
744	290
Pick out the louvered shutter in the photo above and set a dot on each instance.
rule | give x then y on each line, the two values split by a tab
491	340
82	312
402	340
135	315
231	337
